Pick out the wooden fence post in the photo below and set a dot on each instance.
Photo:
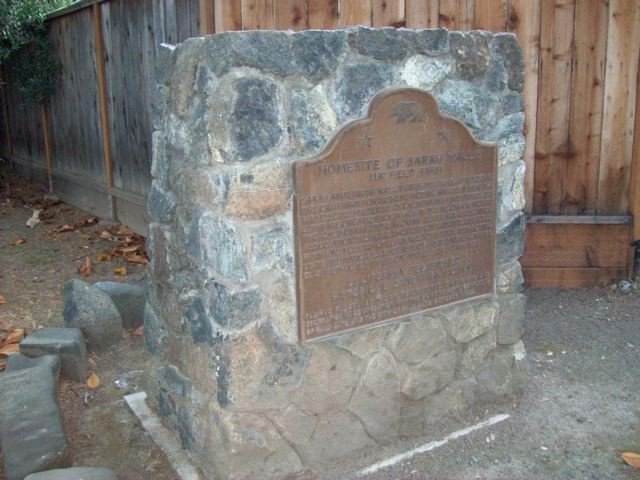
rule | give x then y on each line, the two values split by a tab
5	112
207	17
44	111
104	107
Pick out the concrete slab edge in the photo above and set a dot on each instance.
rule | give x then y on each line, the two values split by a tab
162	436
430	446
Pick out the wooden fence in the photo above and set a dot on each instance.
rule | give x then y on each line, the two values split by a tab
580	95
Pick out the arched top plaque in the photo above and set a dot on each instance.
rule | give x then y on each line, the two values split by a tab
395	217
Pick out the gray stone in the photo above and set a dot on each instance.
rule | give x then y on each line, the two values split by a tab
19	361
357	86
270	52
92	311
510	241
271	249
510	322
234	308
317	52
415	340
32	434
510	279
156	333
311	120
432	41
506	45
198	320
504	375
425	72
128	299
453	403
216	246
376	399
512	102
467	321
430	375
475	352
472	52
473	105
75	473
172	379
496	75
160	204
67	343
386	44
255	122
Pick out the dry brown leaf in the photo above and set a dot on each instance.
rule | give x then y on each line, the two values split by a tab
19	241
14	336
130	249
138	331
86	236
93	381
10	349
120	271
103	257
85	269
3	365
2	300
631	458
65	228
106	234
124	230
137	259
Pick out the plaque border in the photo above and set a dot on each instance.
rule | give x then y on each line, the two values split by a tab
327	150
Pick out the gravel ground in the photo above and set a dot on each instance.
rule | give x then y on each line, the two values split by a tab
579	410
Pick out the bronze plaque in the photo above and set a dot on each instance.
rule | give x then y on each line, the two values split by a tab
395	217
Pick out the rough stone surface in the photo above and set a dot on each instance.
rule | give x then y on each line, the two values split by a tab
129	300
67	343
92	311
75	473
19	361
230	375
510	322
255	126
32	435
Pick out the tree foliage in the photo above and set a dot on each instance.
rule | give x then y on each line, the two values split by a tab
25	47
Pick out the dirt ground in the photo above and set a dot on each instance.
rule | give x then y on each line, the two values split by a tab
579	410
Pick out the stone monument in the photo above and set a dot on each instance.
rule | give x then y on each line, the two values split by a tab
337	222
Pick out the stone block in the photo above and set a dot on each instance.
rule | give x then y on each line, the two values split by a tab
468	321
19	361
504	375
311	120
32	434
92	311
425	72
510	240
430	375
386	44
510	322
160	204
129	299
432	41
272	249
317	52
75	473
67	343
510	279
156	332
259	193
358	85
506	45
422	337
475	352
234	308
471	104
472	53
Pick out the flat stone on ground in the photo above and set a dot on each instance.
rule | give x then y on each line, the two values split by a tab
20	362
128	299
75	473
32	435
92	311
68	343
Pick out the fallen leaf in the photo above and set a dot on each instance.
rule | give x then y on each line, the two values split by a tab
92	360
10	349
120	271
103	257
93	381
86	236
123	250
3	365
137	259
85	269
34	220
106	234
14	336
2	300
631	458
19	241
124	230
65	228
138	331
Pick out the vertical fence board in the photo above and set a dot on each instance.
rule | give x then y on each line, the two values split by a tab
290	14
456	14
207	17
490	15
385	13
228	15
587	89
323	14
170	21
257	15
634	189
183	19
524	21
619	106
421	13
75	135
355	12
552	139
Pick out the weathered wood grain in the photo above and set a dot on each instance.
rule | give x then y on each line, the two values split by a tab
228	15
323	14
456	14
385	13
290	14
554	100
490	15
587	90
619	106
257	15
421	13
355	12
